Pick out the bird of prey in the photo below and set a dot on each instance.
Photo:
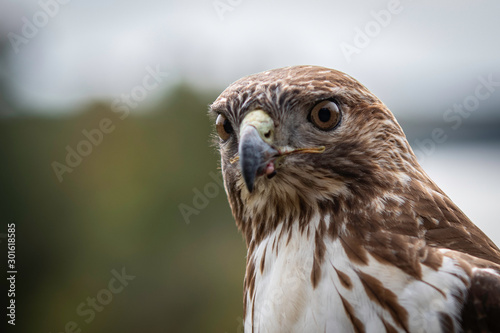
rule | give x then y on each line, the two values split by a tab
344	229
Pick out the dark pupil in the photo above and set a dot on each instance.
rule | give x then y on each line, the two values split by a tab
324	115
227	126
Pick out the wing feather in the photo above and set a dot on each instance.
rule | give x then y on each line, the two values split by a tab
481	311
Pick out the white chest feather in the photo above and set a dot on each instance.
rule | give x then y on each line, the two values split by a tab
348	297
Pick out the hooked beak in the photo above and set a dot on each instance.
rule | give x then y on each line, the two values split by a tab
255	149
257	152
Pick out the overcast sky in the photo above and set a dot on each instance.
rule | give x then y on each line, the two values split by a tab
421	58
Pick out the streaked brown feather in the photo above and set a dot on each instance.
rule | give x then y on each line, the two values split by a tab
367	188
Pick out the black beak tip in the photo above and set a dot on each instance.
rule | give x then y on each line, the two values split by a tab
249	180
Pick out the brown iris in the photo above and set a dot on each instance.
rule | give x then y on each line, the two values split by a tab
325	115
223	126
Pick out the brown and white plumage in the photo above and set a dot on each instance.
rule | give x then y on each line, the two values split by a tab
345	231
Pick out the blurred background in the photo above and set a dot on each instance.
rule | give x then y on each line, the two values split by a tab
106	165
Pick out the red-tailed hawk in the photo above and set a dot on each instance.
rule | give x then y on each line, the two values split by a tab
345	231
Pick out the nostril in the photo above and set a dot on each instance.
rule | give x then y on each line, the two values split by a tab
268	134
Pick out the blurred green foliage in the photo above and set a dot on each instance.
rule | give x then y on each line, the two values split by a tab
120	208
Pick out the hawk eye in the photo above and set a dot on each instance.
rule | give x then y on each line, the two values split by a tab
325	115
223	126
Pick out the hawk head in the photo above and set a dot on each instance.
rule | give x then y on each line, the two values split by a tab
295	138
306	140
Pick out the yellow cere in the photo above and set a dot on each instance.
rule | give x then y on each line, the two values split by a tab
262	122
